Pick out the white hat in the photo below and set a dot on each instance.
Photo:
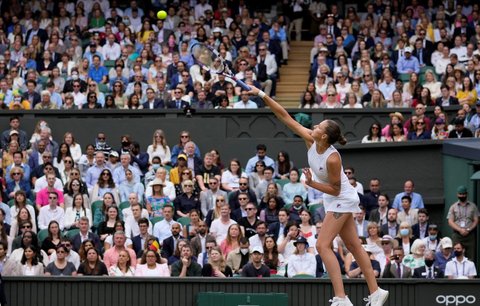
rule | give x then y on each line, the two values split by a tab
258	249
217	30
408	49
446	242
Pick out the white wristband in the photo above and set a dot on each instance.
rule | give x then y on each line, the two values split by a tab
261	94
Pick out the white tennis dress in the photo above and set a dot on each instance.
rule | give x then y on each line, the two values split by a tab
347	200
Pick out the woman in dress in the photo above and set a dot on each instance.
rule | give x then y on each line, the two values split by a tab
157	200
340	200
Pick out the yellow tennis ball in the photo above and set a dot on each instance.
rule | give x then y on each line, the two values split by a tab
161	14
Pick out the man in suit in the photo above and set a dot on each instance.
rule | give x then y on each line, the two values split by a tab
391	227
85	234
177	102
31	94
395	268
169	244
163	33
371	197
422	54
420	230
428	45
140	239
361	223
464	29
152	102
208	197
429	270
199	242
36	30
446	99
277	229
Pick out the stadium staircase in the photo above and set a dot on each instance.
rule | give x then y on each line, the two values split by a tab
294	76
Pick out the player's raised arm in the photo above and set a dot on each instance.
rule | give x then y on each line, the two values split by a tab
284	116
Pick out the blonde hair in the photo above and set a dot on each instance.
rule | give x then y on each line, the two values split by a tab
163	142
221	264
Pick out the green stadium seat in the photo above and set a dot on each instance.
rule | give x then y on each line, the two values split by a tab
282	182
42	235
156	219
312	208
71	233
184	221
124	205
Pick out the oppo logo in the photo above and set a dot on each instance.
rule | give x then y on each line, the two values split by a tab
455	299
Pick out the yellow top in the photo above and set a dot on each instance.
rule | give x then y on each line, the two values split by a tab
469	97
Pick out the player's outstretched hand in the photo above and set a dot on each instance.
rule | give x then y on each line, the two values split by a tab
308	175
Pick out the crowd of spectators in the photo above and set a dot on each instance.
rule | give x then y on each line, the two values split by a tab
399	54
95	54
107	209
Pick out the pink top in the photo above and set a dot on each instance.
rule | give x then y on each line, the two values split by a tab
42	197
110	258
160	270
225	248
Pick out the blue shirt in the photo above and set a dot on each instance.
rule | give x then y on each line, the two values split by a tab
417	201
405	65
97	74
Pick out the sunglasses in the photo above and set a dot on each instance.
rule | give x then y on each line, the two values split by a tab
188	186
27	226
184	136
75	185
242	184
250	208
330	95
220	200
16	173
178	92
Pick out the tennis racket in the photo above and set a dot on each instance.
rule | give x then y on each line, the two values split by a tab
209	59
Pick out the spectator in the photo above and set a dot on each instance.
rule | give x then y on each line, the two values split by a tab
417	256
429	270
301	262
408	189
50	212
92	266
186	267
463	219
460	131
256	268
468	272
294	187
420	230
151	265
445	254
122	268
111	255
216	266
408	214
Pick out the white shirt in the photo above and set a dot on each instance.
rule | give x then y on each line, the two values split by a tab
255	241
111	52
457	269
79	98
219	229
41	183
132	229
162	229
302	264
47	214
249	105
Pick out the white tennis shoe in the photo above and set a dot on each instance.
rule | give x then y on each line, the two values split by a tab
336	301
378	298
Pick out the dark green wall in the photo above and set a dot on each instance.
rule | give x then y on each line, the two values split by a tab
111	291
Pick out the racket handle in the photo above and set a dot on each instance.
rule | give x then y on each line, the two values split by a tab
243	85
